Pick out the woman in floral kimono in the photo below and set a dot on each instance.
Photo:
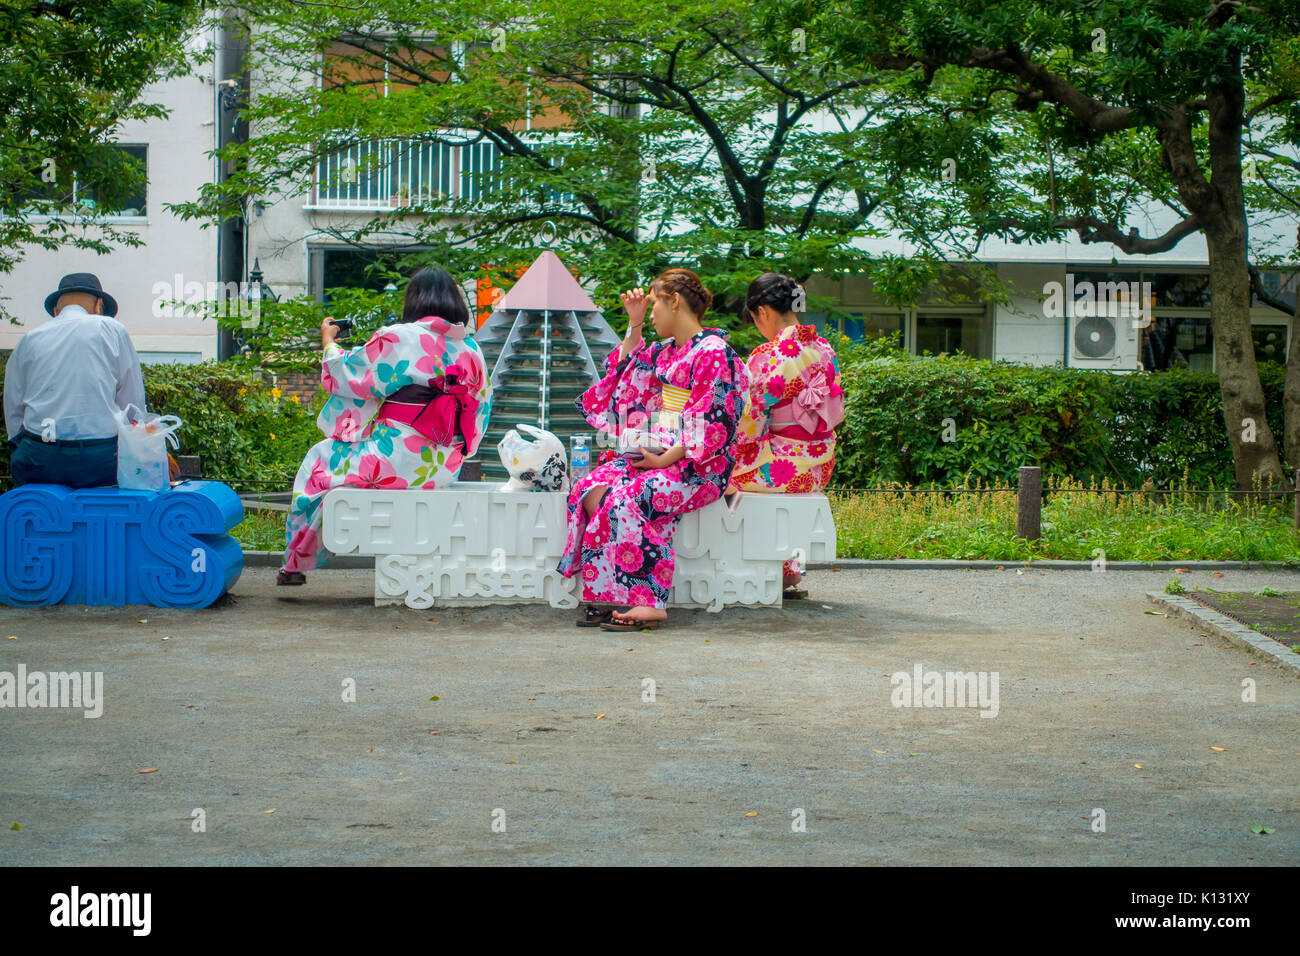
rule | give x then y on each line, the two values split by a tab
787	435
405	410
674	405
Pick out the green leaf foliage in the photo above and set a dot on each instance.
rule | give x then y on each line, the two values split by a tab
1165	427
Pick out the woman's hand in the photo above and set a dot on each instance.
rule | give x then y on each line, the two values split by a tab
634	300
663	459
328	332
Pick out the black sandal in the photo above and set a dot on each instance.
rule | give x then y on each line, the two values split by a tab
289	578
619	622
594	616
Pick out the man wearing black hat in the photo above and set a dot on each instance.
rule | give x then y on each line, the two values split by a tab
64	384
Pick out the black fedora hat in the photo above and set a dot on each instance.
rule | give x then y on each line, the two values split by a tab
81	282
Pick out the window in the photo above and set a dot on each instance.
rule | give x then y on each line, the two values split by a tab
876	325
421	172
90	196
1178	342
952	332
859	326
398	68
1186	290
1270	343
338	268
1282	285
480	165
373	173
353	175
133	205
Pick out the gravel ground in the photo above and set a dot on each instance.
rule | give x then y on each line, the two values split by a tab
760	719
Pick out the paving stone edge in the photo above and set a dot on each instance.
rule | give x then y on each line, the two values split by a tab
1225	627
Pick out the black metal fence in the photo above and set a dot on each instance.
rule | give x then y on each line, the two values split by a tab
1030	492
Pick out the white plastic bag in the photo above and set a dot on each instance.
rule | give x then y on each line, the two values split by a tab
537	465
142	449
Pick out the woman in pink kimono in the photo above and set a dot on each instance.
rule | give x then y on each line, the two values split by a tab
674	405
405	410
787	435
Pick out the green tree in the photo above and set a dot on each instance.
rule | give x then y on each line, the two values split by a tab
695	133
1103	110
70	74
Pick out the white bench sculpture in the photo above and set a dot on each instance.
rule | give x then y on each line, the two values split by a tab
470	545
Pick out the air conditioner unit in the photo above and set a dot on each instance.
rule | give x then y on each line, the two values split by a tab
1103	342
1094	337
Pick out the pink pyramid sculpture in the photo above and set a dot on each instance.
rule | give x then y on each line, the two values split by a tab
548	285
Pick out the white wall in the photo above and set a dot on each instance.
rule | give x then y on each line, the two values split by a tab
177	168
1021	332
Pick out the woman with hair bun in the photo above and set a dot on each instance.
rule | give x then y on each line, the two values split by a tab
787	435
674	406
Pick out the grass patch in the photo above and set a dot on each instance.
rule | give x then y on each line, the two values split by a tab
1077	523
983	526
261	531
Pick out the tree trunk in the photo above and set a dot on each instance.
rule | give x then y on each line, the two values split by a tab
1223	212
1290	388
1291	412
1234	348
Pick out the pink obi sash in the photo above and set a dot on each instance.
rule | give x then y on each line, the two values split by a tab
813	413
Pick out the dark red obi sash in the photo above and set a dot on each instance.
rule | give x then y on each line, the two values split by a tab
434	413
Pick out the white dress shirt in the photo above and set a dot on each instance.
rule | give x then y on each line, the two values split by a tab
67	378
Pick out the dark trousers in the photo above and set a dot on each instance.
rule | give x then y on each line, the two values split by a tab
76	464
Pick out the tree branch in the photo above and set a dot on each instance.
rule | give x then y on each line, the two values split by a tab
1092	229
1257	286
1277	99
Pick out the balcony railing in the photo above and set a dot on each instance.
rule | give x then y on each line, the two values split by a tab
392	173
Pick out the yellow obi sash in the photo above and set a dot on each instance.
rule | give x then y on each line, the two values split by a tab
674	399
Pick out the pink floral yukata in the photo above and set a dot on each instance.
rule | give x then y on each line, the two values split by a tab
366	453
624	553
786	440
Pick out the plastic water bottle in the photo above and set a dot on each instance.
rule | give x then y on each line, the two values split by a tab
579	457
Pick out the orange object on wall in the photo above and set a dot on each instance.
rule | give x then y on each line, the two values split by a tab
486	294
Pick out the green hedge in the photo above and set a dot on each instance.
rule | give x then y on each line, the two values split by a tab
1166	427
233	419
1076	424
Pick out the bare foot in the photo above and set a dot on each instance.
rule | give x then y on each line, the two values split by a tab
640	613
